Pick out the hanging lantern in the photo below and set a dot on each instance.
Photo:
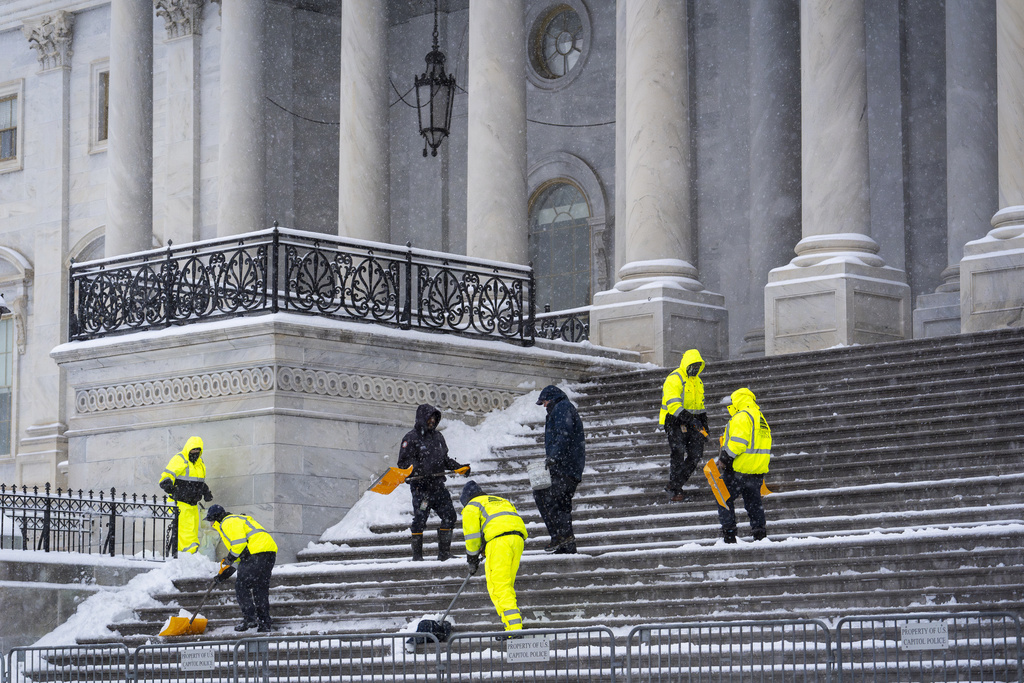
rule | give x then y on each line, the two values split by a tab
435	91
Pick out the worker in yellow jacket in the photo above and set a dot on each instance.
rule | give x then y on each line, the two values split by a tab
685	421
184	481
255	550
491	522
743	462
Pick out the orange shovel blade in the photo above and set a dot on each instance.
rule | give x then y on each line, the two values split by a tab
390	480
180	626
717	485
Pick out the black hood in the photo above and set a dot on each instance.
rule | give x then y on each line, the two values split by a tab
470	491
551	393
424	413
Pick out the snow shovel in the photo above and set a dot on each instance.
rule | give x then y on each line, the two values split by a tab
390	480
180	626
440	629
715	480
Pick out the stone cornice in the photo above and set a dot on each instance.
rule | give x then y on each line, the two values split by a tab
266	378
50	36
181	17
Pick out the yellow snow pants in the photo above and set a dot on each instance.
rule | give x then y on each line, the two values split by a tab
500	568
188	528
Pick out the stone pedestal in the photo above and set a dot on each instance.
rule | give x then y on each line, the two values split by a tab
298	415
992	275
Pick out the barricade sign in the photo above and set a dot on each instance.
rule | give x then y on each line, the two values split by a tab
534	655
970	646
769	650
197	660
211	660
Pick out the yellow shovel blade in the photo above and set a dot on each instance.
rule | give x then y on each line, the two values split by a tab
180	626
764	488
715	480
390	480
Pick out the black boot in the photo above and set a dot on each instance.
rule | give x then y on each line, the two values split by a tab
760	534
245	625
417	547
729	535
444	544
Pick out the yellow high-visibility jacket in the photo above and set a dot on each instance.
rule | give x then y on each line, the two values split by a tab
681	392
748	439
487	517
241	532
189	478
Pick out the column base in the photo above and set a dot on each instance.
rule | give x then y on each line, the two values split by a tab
937	315
753	344
660	320
841	301
992	276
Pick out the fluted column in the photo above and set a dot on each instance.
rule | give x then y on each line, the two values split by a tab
992	270
241	163
364	178
496	213
972	178
130	142
837	290
658	307
774	148
620	134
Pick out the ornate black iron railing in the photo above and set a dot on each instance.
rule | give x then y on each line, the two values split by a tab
571	325
300	272
84	522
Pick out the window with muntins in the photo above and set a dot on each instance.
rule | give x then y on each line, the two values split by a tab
558	42
8	127
560	246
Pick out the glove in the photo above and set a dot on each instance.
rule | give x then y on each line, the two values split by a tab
167	485
225	574
724	462
207	494
462	469
473	561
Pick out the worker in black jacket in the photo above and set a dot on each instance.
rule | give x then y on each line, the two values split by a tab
424	449
565	453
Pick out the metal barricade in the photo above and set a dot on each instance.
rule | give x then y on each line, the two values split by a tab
537	655
86	663
975	646
362	657
770	650
200	661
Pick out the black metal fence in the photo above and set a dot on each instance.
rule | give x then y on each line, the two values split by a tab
306	273
570	325
926	647
86	522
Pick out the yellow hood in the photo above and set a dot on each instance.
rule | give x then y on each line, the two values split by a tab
193	442
741	400
689	358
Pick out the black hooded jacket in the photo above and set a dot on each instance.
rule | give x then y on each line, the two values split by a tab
564	441
426	450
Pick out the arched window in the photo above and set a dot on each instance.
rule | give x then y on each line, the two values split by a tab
560	245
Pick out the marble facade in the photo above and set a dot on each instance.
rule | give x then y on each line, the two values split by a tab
760	176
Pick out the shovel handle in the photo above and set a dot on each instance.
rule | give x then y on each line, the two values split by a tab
203	601
457	594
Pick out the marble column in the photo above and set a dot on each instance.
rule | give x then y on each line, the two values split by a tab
183	20
497	223
241	162
130	142
972	178
620	133
364	168
992	269
838	290
42	447
774	148
658	307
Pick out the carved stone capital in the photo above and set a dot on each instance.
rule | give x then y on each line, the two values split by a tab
181	17
50	36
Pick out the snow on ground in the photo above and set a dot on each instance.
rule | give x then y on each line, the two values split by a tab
467	444
116	604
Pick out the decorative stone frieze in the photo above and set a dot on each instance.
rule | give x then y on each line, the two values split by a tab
50	36
287	379
181	17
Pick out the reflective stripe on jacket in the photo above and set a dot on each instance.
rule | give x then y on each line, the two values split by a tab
241	532
486	517
680	392
748	438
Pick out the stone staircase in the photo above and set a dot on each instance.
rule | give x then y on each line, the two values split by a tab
898	480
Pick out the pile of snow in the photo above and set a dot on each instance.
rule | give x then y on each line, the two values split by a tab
118	604
466	444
